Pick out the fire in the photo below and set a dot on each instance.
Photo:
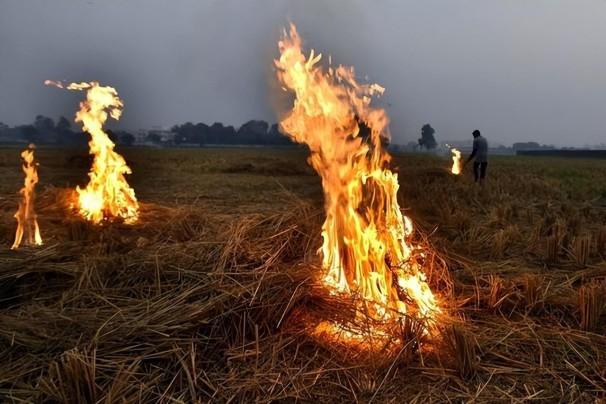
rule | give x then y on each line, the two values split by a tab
367	249
26	216
107	194
456	161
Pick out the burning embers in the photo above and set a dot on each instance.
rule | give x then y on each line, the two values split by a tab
107	195
456	161
26	216
367	250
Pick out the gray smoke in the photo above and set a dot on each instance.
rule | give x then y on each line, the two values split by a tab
518	70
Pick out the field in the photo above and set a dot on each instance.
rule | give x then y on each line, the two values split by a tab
204	299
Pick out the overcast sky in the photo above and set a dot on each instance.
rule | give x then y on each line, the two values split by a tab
516	69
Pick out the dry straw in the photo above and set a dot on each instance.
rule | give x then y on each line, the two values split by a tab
199	304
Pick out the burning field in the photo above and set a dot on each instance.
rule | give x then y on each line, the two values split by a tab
208	296
354	276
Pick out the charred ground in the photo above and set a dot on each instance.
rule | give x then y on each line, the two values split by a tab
202	299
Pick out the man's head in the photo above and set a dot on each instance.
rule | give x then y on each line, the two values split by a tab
476	133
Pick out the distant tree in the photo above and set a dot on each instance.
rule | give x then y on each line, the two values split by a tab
216	131
126	139
45	127
186	133
44	124
253	132
29	133
65	134
4	132
428	139
526	146
202	134
63	124
178	137
276	136
219	134
154	138
274	131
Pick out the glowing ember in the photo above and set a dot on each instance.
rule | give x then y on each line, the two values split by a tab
456	161
26	216
107	194
367	249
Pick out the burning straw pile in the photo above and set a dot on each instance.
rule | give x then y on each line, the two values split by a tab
367	251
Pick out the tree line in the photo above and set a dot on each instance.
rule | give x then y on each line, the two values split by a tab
253	132
45	130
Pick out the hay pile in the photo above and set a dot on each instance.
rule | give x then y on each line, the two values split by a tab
196	305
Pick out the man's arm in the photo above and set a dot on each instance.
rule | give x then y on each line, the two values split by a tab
473	153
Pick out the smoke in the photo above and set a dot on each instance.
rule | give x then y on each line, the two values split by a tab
516	70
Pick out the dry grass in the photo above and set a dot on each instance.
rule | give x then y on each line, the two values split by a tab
211	296
592	301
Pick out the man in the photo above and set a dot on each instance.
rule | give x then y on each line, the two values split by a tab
480	153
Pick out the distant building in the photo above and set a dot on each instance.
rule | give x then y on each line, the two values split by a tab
155	135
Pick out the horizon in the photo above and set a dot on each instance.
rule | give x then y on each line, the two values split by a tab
493	144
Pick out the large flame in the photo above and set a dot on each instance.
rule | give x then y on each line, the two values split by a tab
107	194
456	161
26	216
367	249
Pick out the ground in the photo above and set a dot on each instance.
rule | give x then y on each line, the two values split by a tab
202	299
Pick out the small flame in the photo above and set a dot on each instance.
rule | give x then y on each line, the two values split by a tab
456	161
26	216
107	194
367	249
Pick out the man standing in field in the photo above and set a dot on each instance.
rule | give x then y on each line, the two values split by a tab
480	154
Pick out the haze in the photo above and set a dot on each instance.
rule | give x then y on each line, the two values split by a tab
519	70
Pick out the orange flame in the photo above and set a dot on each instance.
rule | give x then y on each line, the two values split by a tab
456	161
26	216
367	249
107	194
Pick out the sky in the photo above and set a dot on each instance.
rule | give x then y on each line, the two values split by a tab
518	70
